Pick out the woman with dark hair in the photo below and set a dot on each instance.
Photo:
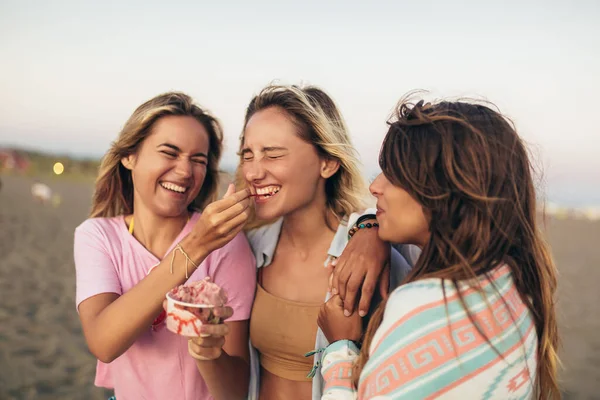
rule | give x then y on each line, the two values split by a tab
476	316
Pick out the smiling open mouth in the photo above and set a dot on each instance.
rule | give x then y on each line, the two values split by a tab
173	187
266	192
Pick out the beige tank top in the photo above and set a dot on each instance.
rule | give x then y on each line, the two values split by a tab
283	331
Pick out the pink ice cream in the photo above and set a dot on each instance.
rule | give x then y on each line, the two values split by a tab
202	292
190	306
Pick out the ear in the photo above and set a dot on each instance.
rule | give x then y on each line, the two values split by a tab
329	166
128	161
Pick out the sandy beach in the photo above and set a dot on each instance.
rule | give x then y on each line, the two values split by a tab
43	354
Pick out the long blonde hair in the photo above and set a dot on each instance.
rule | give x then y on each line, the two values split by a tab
113	193
320	123
469	169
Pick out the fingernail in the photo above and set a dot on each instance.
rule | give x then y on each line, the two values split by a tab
362	313
346	313
334	291
334	262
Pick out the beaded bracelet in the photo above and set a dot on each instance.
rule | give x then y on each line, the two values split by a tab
364	218
356	228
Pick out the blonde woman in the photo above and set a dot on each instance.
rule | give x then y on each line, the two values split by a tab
299	163
151	229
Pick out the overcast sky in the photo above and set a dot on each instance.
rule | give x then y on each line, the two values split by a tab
72	72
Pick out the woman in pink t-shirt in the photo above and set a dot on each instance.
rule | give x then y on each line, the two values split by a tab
145	236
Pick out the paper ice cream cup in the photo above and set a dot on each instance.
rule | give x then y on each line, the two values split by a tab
186	318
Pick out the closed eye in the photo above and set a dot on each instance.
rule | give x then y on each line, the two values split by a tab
169	154
199	161
246	155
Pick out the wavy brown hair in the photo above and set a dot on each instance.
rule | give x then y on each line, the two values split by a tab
468	168
113	194
320	123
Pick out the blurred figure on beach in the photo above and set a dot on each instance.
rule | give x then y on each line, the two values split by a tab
41	192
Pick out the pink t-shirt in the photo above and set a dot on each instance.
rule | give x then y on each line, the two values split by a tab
157	366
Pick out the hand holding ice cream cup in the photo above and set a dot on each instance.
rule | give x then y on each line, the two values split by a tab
193	305
209	345
197	310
